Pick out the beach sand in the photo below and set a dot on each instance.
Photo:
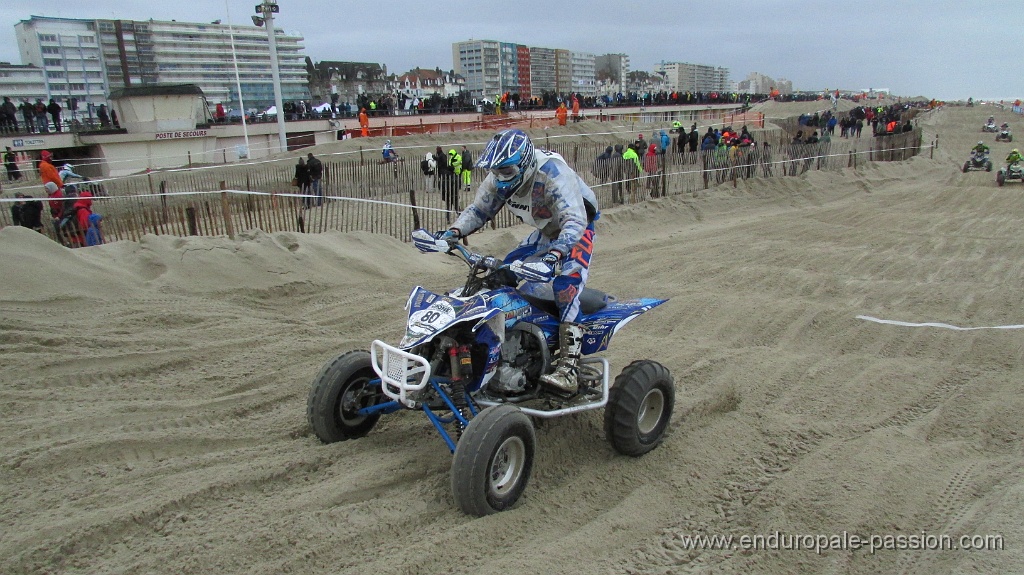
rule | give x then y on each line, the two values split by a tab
153	393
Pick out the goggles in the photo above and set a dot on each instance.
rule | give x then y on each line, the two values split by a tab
505	173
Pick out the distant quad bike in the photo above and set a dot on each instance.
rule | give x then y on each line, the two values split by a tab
471	360
978	161
990	127
1011	173
1004	135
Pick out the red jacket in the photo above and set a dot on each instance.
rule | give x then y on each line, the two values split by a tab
84	205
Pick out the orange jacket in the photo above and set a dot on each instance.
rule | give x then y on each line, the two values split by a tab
561	113
48	173
364	120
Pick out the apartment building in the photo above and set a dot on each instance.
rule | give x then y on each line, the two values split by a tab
22	82
492	67
542	71
68	53
91	57
686	77
584	79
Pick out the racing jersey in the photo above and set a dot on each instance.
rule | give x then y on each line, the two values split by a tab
556	203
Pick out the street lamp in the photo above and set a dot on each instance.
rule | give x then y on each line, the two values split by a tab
268	8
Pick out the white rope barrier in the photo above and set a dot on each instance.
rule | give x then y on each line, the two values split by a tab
935	324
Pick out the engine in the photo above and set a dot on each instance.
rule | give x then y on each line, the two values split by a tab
524	356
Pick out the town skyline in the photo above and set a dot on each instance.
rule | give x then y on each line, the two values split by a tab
797	40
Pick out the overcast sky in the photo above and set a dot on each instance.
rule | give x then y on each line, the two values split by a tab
946	49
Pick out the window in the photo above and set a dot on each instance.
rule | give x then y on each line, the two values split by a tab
52	62
74	86
47	37
51	50
55	74
87	39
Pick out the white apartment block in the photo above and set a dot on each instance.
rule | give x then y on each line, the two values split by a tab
68	52
480	63
583	75
121	53
22	82
686	77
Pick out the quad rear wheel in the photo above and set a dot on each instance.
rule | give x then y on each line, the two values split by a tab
493	460
639	408
340	390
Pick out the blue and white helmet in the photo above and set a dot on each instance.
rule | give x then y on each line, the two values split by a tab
510	157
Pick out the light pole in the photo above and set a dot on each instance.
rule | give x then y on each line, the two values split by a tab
268	8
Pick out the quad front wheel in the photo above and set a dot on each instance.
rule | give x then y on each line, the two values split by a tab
967	166
338	393
1000	178
639	408
493	460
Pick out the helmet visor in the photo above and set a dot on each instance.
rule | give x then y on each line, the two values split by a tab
506	173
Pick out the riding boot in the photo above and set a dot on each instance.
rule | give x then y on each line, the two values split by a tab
565	377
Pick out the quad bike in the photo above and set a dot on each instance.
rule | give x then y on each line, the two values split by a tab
1013	172
1004	135
990	127
978	161
471	360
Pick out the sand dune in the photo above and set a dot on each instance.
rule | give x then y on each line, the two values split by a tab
153	393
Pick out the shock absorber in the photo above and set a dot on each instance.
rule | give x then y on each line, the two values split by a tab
462	369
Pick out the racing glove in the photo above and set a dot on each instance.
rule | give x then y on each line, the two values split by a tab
427	242
537	268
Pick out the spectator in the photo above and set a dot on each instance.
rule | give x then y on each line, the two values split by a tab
665	142
83	213
575	109
693	139
447	179
28	214
302	181
467	167
616	163
651	167
316	174
113	119
428	165
101	113
28	113
54	110
47	171
631	172
39	113
602	165
10	113
364	123
220	115
561	114
11	163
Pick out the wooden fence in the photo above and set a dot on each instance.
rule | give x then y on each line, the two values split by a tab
393	199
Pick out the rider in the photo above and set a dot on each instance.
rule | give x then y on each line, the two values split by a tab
540	188
1013	158
67	171
389	153
991	121
980	149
